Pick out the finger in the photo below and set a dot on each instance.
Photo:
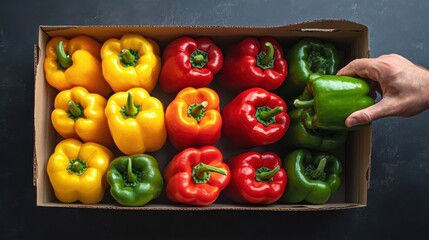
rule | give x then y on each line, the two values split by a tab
353	67
363	67
368	114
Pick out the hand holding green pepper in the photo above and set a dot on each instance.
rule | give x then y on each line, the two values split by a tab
328	100
404	87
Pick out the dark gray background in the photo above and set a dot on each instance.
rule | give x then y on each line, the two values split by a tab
397	199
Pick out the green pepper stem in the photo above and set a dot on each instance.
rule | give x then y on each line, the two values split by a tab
131	177
74	109
317	61
303	103
320	168
198	110
130	108
270	54
265	176
76	166
127	56
63	58
267	115
207	168
199	58
201	172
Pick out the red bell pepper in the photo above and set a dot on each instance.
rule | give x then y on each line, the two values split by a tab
193	118
196	176
255	117
254	63
189	62
256	178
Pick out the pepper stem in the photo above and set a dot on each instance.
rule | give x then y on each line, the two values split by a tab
74	109
77	166
266	59
265	174
131	177
130	108
269	55
197	110
317	61
201	172
127	56
63	58
303	103
198	59
320	168
267	115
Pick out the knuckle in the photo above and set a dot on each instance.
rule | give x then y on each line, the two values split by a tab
366	117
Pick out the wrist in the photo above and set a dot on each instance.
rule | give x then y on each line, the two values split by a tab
425	85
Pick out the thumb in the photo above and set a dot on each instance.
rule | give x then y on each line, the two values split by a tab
367	115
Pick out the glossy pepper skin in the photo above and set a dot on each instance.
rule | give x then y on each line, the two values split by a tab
193	118
130	62
255	117
256	178
75	62
254	62
306	57
329	99
134	180
189	62
299	136
77	171
196	176
313	177
79	114
136	121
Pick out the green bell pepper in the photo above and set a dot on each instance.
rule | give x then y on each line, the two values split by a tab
308	56
299	136
329	99
312	177
134	180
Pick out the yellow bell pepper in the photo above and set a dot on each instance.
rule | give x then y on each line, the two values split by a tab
136	121
133	61
77	171
80	114
75	62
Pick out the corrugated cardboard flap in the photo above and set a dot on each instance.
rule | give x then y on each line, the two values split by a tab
159	33
323	24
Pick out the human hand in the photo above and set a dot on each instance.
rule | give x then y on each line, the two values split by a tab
404	87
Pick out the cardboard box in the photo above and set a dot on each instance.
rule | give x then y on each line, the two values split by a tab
350	38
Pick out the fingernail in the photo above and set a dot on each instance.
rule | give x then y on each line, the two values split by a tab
352	122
